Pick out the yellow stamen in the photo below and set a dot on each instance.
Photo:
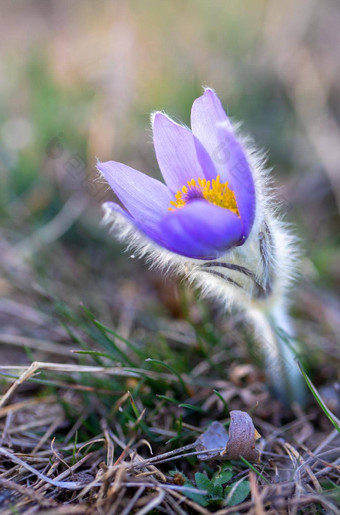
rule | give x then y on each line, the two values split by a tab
215	192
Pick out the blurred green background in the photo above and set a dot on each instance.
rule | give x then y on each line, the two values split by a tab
78	80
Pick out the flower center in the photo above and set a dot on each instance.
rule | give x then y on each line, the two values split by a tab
213	191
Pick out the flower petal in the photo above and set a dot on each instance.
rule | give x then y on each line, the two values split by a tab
212	127
152	231
240	178
206	114
144	197
179	156
201	230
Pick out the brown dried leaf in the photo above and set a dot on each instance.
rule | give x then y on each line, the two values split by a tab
213	440
242	436
240	442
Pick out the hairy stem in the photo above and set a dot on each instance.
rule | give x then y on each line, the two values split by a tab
276	337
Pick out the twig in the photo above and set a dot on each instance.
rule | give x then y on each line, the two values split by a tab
54	229
27	492
128	509
58	367
153	503
33	343
68	485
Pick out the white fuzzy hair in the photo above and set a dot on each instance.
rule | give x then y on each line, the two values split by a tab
269	253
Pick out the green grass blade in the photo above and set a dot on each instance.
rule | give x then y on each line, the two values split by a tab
138	352
246	462
169	367
95	353
331	417
221	399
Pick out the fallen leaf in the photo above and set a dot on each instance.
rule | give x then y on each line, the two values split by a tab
240	441
213	440
242	436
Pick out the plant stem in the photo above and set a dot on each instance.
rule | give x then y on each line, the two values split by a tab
276	336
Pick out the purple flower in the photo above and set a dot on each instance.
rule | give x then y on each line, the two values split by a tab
208	203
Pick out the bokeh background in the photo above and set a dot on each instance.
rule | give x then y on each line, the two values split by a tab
78	80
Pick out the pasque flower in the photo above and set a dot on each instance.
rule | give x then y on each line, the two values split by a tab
208	203
213	221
